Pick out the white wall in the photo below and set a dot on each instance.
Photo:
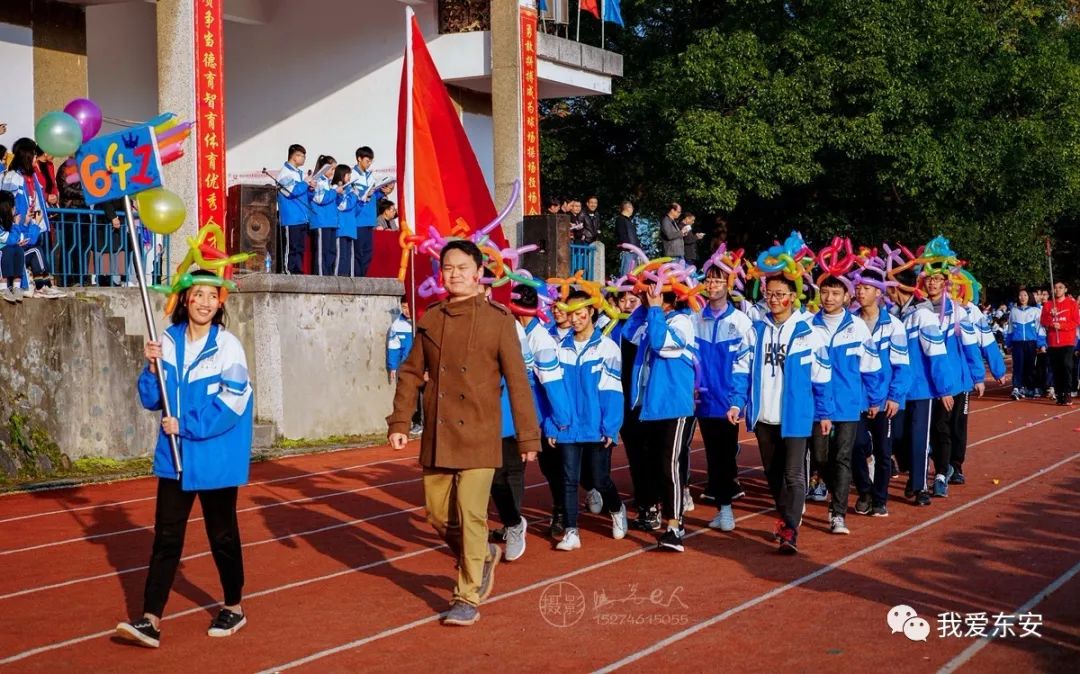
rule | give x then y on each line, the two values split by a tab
479	130
121	47
17	88
325	75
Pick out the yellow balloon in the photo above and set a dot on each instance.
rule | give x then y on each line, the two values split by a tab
161	211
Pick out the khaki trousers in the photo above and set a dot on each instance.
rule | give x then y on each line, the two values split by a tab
457	506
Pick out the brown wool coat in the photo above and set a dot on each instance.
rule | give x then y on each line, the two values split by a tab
466	348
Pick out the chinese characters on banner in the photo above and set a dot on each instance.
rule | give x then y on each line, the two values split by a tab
530	127
210	111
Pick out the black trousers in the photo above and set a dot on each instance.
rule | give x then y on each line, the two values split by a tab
721	453
1023	354
663	442
170	524
689	428
875	438
295	245
785	462
364	249
832	455
1061	363
508	484
326	247
642	476
551	465
944	426
960	431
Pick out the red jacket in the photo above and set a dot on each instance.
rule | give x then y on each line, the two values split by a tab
1065	313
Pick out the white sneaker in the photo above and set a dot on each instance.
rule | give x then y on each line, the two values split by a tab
27	293
687	500
837	525
8	296
724	520
1050	393
570	540
619	525
52	292
515	541
594	501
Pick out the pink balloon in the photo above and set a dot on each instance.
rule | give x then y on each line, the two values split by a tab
87	114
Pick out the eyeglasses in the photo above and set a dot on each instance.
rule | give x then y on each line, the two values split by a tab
777	294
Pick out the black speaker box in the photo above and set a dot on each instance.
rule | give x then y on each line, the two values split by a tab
253	226
552	234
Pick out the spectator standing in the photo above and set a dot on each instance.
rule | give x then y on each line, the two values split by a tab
590	221
626	232
671	233
690	238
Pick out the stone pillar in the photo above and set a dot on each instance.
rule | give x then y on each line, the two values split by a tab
506	108
176	93
60	67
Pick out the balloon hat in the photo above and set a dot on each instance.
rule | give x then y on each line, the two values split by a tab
204	254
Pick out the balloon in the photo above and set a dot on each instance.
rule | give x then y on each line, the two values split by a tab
161	211
58	133
87	114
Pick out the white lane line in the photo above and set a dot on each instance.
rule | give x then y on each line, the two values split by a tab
150	527
298	534
497	598
970	651
683	634
113	504
402	628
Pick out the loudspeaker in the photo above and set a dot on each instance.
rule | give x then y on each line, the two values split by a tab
253	226
552	234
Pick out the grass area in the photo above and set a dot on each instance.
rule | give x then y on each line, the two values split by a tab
332	441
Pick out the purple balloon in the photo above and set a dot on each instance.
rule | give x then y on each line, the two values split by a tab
87	114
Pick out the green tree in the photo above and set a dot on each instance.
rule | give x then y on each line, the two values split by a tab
885	120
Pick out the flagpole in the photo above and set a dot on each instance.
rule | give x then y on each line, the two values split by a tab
603	21
578	38
408	172
1050	266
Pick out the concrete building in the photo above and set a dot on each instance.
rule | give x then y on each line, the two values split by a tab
324	73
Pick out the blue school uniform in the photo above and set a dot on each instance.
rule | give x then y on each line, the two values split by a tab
663	371
720	337
399	340
292	197
549	383
594	389
856	370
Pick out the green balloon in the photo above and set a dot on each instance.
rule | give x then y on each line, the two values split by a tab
161	211
58	133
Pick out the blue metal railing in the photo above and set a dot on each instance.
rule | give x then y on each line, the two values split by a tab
87	249
582	258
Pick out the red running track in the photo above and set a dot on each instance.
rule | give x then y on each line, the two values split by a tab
344	574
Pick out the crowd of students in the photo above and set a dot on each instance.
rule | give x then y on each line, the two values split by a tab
832	399
335	205
1044	354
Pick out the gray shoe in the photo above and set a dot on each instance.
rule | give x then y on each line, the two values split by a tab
515	540
19	294
8	296
487	581
461	614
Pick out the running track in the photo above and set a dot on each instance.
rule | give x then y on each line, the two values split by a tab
343	574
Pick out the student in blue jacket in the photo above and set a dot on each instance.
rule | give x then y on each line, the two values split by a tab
591	365
399	339
347	252
856	389
931	377
206	380
721	331
365	209
294	211
977	340
782	385
13	241
664	392
552	404
875	435
1024	336
324	215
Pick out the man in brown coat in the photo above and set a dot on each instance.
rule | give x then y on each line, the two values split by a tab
467	346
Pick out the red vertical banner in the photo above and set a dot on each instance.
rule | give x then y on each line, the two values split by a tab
210	111
530	126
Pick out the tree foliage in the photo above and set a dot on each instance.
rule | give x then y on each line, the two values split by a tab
885	120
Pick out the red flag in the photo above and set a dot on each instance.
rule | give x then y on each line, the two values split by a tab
438	178
591	7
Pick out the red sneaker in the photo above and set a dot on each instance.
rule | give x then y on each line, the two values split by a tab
787	541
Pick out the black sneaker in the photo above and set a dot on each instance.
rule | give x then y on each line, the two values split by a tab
864	505
957	477
909	491
226	623
737	490
922	498
671	540
652	519
497	535
558	525
880	511
140	631
788	541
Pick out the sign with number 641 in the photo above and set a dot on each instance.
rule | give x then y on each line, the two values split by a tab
118	165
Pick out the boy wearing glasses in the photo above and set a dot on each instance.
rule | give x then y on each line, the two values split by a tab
784	365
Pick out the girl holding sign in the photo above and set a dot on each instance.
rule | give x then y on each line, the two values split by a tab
207	386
